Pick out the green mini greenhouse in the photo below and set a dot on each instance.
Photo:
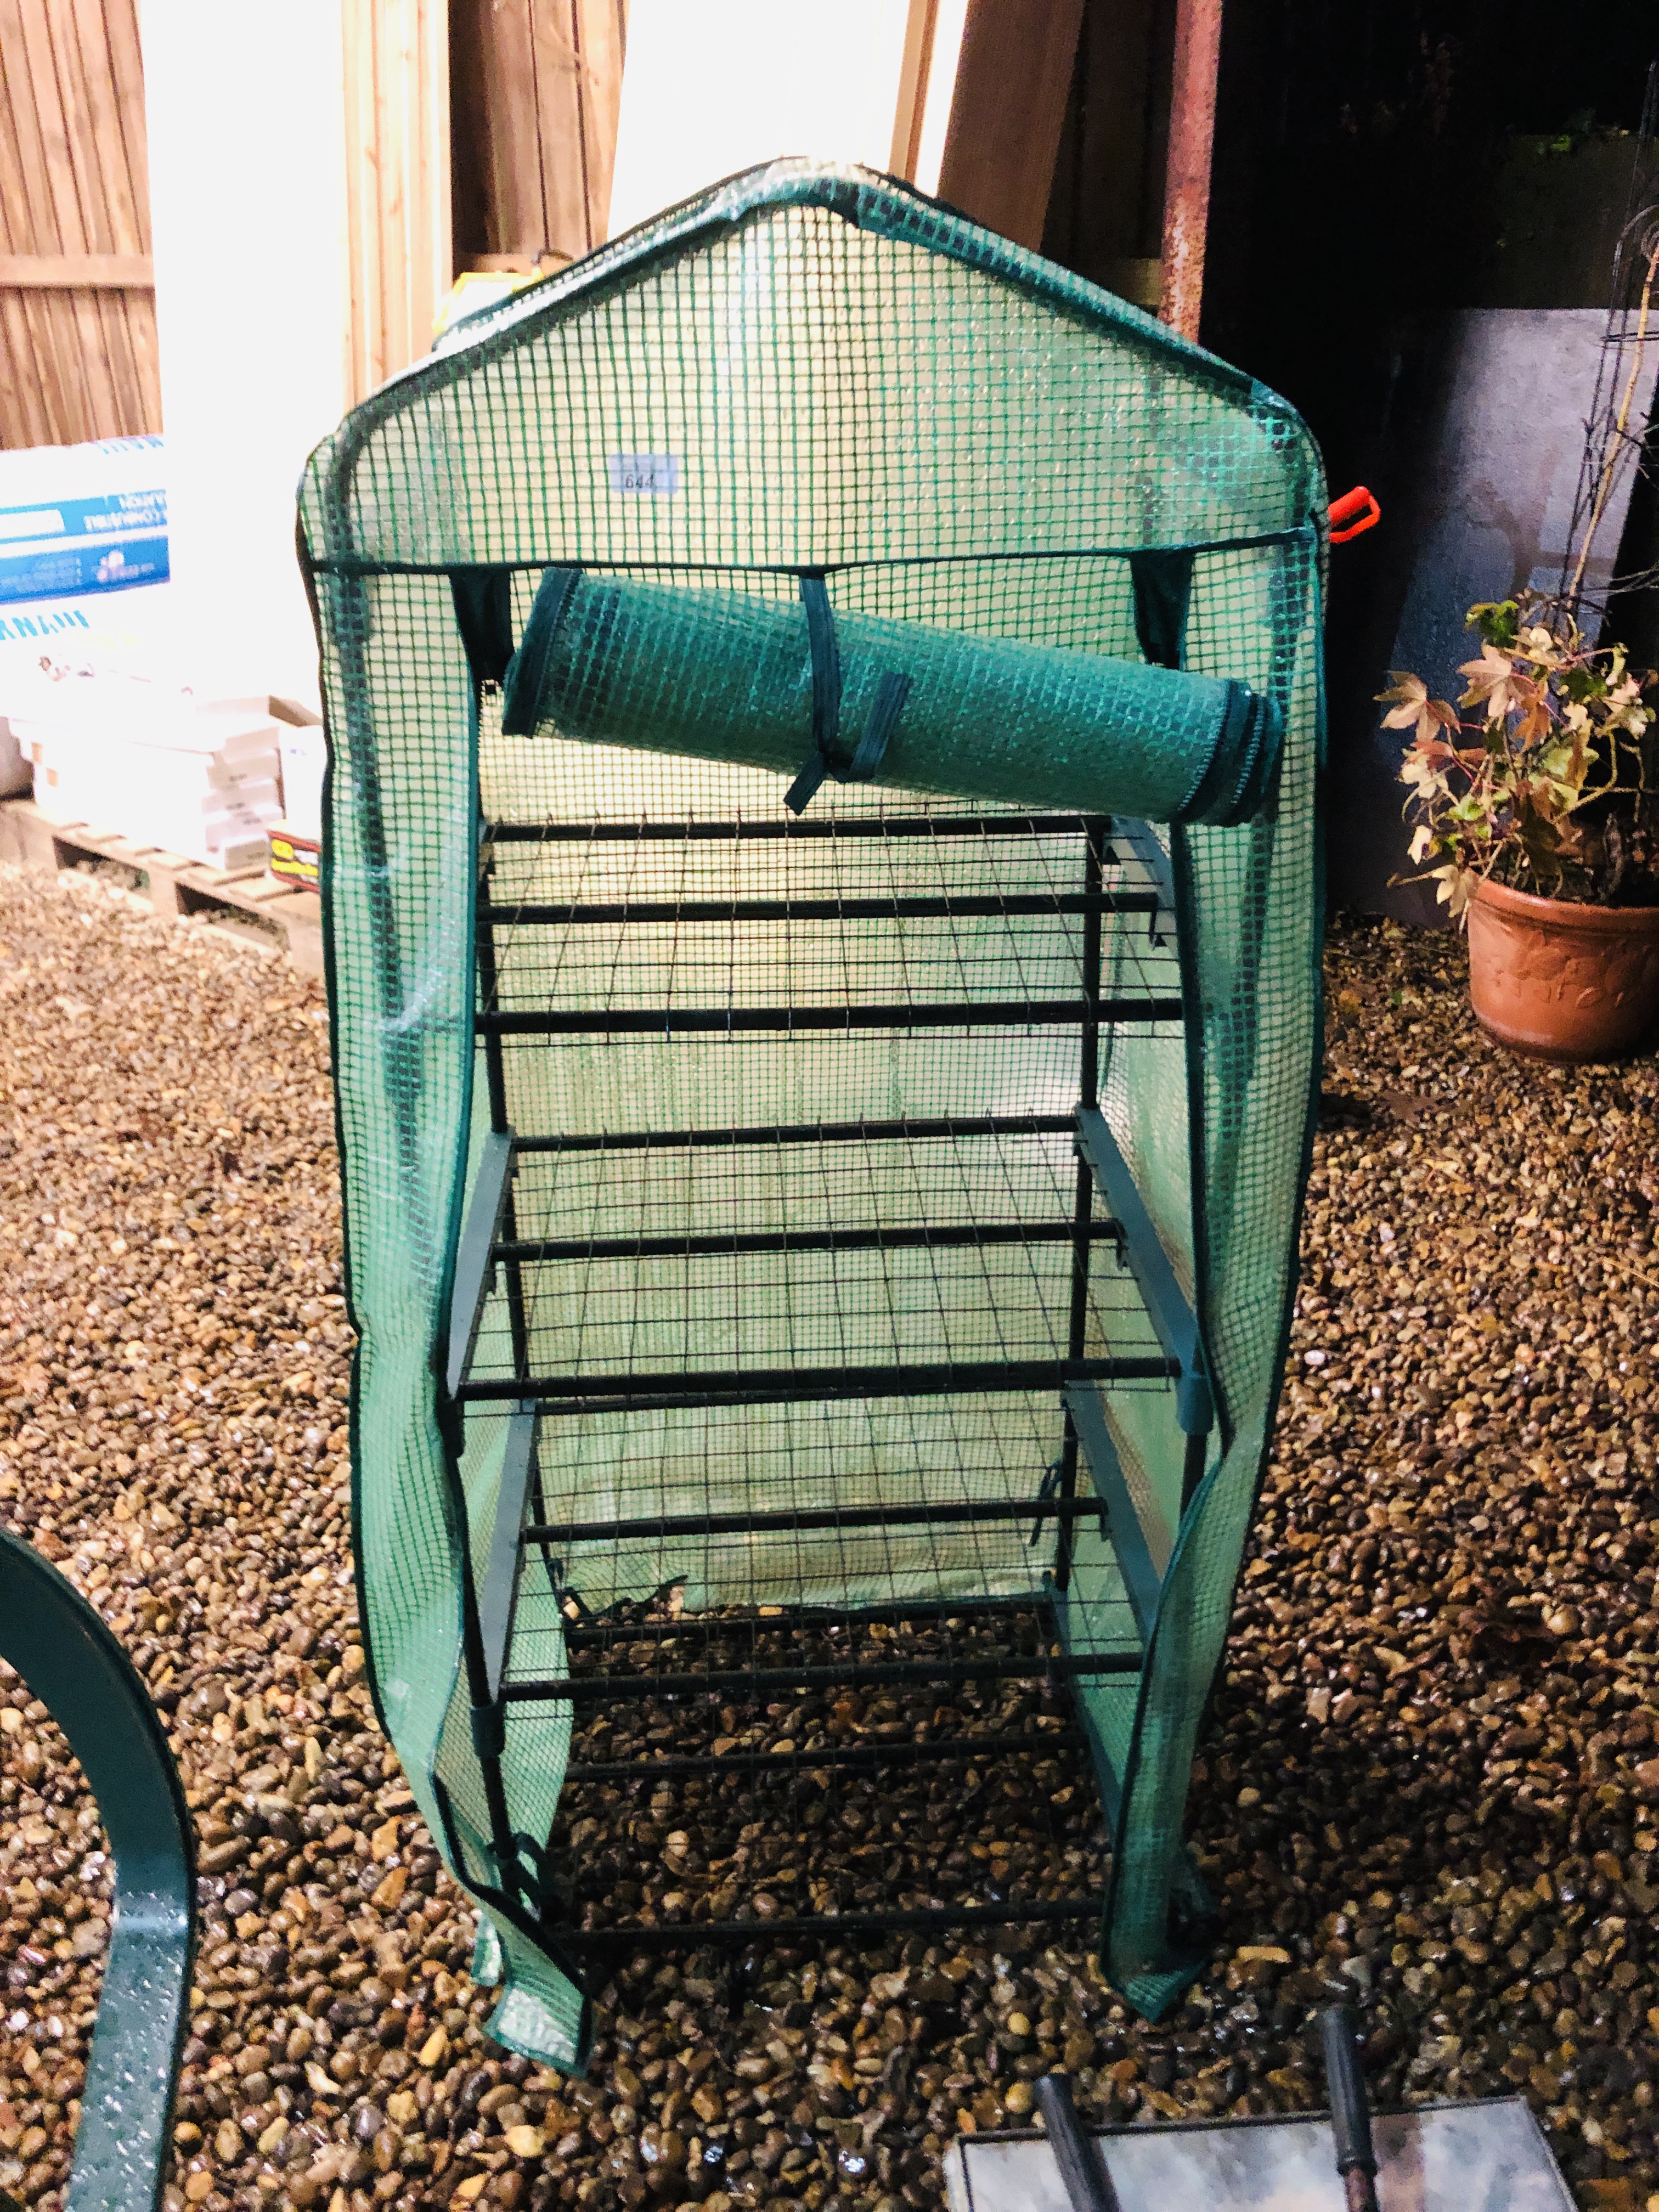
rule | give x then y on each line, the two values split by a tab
824	914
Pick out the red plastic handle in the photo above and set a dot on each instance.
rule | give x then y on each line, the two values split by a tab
1357	508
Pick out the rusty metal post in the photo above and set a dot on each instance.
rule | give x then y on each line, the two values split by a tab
1187	174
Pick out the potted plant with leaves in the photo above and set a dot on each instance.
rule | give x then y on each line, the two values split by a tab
1537	812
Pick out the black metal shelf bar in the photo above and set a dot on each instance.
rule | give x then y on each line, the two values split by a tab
495	1079
1141	1579
805	1386
923	1513
963	1014
1167	1305
937	908
945	1235
1012	1666
811	1133
852	826
854	1757
495	1602
1083	1201
700	1934
1145	852
487	985
477	1250
807	1619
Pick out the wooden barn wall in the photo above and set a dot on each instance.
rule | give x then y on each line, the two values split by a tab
78	356
398	185
536	86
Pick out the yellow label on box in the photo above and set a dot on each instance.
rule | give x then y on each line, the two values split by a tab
295	859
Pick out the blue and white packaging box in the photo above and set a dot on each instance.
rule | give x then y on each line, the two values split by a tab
81	519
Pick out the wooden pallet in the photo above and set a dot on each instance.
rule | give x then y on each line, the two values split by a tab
248	903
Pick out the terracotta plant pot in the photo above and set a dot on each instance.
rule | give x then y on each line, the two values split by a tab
1563	981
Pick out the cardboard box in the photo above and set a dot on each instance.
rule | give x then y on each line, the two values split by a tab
304	755
202	804
75	519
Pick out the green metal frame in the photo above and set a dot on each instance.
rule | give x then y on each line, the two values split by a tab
78	1670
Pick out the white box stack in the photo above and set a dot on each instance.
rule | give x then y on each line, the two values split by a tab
157	765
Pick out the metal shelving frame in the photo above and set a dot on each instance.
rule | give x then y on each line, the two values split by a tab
529	1640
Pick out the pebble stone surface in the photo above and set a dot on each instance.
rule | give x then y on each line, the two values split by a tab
1429	1781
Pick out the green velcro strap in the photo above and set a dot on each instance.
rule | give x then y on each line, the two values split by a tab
1161	579
826	757
527	672
483	608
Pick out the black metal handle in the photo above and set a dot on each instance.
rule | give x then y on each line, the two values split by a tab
1082	2168
1351	2117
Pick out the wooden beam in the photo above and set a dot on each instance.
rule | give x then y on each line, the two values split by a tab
63	272
1187	176
1106	212
1007	111
602	45
537	88
396	60
912	104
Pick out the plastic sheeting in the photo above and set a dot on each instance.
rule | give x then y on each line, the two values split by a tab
806	371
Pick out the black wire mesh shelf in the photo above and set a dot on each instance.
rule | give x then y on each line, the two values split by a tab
804	1415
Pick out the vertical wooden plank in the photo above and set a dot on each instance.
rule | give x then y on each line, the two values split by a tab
1008	112
50	103
374	156
601	45
912	101
469	136
536	86
126	68
400	212
61	332
395	68
26	205
53	406
28	415
77	105
438	258
76	315
30	401
510	148
559	126
398	106
381	195
351	84
43	190
375	137
100	138
114	375
581	225
99	153
1105	212
124	62
146	353
69	130
417	265
100	316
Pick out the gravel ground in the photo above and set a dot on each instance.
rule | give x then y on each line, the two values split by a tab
1427	1779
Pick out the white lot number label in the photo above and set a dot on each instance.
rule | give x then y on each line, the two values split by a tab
657	476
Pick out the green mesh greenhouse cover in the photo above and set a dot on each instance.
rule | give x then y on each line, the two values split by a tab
823	890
